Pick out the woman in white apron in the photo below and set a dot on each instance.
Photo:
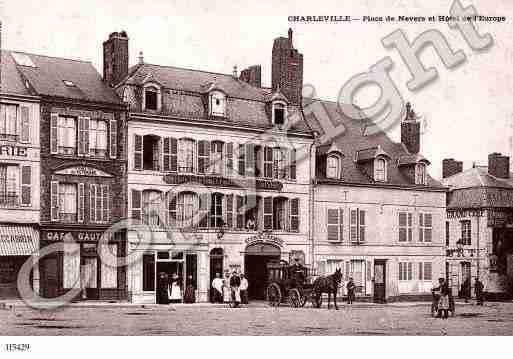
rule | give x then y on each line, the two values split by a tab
175	292
227	291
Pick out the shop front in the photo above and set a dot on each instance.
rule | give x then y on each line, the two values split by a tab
82	264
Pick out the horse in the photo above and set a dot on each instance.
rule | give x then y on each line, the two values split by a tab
328	285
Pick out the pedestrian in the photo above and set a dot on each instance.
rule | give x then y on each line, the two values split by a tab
235	288
244	289
227	295
479	291
217	289
466	290
443	301
189	296
350	291
162	288
175	291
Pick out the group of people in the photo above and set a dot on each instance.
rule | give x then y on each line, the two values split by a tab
443	297
170	290
231	288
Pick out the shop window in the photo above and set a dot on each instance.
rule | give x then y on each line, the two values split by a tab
148	272
109	272
151	152
177	255
466	233
357	272
405	227
98	138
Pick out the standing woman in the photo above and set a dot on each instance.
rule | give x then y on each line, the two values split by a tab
162	289
175	292
443	302
190	295
227	292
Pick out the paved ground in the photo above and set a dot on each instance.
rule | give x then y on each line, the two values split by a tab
392	319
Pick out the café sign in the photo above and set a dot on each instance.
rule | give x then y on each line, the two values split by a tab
83	171
80	236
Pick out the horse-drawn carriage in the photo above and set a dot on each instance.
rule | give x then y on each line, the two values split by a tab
287	283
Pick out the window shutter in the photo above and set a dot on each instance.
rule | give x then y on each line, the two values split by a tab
268	213
421	274
341	224
268	162
294	214
105	205
240	213
54	118
277	156
353	224
166	153
54	193
204	210
92	202
25	124
410	270
138	149
203	156
428	223
26	187
250	159
229	210
410	227
229	158
171	209
292	166
81	195
113	138
173	155
241	157
402	227
136	204
421	227
83	136
333	224
369	270
361	225
99	203
348	270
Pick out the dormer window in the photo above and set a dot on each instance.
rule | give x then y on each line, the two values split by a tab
217	104
380	169
420	174
279	114
333	167
152	98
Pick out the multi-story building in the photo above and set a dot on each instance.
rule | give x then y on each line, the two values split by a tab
217	170
479	226
83	165
19	175
378	215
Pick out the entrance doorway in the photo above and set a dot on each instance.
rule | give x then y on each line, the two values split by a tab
165	271
256	258
49	277
380	279
216	266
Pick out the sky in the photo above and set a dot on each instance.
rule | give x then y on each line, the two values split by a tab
468	110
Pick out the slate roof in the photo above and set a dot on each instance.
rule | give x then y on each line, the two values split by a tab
476	188
355	138
246	105
48	76
370	154
11	82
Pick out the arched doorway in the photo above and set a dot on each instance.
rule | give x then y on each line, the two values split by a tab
216	266
255	267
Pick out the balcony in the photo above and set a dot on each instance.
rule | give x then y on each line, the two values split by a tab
9	200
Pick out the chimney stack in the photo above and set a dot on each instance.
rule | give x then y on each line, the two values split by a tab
498	165
410	131
287	69
115	58
141	58
450	167
252	75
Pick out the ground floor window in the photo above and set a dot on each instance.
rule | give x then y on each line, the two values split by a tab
148	272
405	271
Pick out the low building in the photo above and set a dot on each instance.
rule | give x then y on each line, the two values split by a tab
218	177
82	187
19	176
378	215
479	226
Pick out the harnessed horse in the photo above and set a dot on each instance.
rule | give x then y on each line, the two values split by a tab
328	285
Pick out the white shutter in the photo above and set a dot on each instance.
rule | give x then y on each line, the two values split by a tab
81	199
113	138
54	194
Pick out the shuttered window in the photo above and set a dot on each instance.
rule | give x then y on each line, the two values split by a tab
229	210
170	154
203	156
204	210
81	204
25	124
229	159
294	214
136	204
54	118
240	211
54	189
138	149
268	162
405	227
242	159
83	136
113	138
268	213
335	224
425	227
26	185
292	164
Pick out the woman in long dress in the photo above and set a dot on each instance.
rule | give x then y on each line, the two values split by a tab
190	295
227	291
175	292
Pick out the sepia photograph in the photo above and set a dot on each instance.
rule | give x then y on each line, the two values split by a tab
256	169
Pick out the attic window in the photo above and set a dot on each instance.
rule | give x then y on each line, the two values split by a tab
69	83
279	114
23	59
333	167
420	173
380	169
217	104
151	99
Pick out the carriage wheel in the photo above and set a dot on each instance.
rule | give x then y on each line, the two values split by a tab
294	298
273	295
304	299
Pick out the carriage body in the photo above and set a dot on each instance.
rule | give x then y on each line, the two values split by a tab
286	285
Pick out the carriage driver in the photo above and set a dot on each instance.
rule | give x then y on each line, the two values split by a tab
297	273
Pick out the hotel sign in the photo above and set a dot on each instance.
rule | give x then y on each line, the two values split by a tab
264	238
215	181
464	213
498	218
83	171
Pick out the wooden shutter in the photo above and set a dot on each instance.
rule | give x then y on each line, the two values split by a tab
171	209
428	223
348	270
25	124
294	214
99	203
250	159
229	210
242	160
268	213
54	194
292	164
353	225
277	158
83	136
421	272
361	226
54	119
166	154
203	156
26	185
410	271
81	195
240	213
410	227
173	155
268	162
421	225
105	204
136	204
229	159
92	202
333	224
204	210
138	152
113	138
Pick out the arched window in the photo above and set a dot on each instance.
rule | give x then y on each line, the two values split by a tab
152	206
420	173
182	209
333	167
380	169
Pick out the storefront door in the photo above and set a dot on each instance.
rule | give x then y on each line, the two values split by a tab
49	277
256	258
380	281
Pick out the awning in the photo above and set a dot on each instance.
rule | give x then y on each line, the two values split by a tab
18	240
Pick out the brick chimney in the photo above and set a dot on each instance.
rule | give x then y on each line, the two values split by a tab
252	75
287	69
410	131
450	167
498	165
115	58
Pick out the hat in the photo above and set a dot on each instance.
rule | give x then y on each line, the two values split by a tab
175	276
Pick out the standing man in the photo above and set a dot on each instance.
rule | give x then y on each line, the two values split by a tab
217	289
243	289
235	287
479	291
350	291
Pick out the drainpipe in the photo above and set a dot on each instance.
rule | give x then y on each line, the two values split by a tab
478	250
313	182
